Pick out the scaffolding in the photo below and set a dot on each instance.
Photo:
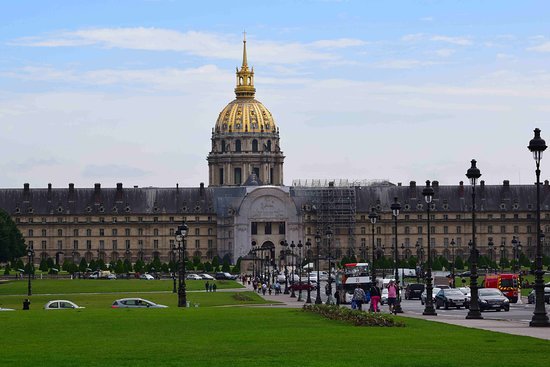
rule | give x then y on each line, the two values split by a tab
331	206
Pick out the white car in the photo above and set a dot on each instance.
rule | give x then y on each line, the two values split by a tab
135	303
146	277
193	277
61	304
206	276
6	309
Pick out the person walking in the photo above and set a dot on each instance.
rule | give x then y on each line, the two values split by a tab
392	295
375	295
358	297
206	286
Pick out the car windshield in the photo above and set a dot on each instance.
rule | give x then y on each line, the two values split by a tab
489	292
453	292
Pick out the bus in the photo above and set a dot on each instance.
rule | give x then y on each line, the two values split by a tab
349	276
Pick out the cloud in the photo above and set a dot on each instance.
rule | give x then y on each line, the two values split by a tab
403	64
543	47
203	44
461	41
112	170
414	37
444	52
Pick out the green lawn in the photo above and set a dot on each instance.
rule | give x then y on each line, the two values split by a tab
242	336
65	286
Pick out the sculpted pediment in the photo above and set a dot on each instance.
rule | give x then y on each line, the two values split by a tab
268	207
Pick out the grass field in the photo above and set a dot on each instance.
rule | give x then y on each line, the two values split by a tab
234	336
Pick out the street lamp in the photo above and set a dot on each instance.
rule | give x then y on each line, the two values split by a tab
491	245
373	216
473	175
308	246
300	299
181	233
253	252
30	254
418	261
292	269
502	247
395	208
537	146
318	243
428	193
328	234
453	268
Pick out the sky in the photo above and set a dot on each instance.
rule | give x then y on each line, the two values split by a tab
129	91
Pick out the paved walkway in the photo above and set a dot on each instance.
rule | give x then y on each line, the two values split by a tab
500	326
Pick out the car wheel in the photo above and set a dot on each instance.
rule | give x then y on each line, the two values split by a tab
498	309
507	309
437	305
446	305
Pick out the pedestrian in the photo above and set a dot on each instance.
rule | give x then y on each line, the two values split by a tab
26	304
374	297
392	295
337	297
211	287
264	288
206	286
269	289
214	287
358	297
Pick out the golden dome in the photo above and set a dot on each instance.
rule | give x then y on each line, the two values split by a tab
245	114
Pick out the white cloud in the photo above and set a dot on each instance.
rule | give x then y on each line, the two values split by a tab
461	41
444	52
202	44
414	37
543	47
403	64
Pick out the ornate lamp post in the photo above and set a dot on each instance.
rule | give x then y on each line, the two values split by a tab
502	247
453	268
518	248
373	216
253	252
418	261
473	175
299	251
537	146
395	208
318	243
181	233
30	254
428	193
292	269
328	234
308	246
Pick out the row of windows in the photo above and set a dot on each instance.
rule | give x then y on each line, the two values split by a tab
238	146
114	244
44	220
114	232
267	227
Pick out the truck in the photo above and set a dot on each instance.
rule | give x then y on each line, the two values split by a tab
508	284
349	277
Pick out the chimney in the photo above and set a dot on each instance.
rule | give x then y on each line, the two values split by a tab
412	189
26	193
49	192
399	184
482	184
461	189
71	192
546	182
118	195
435	185
506	183
201	190
97	193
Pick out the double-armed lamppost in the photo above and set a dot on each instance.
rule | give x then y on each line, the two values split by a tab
328	234
30	254
395	208
537	146
428	193
473	175
318	243
373	216
292	270
299	251
181	233
308	252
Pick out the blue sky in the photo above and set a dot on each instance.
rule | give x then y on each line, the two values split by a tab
128	91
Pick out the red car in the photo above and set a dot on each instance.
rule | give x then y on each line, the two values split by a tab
301	286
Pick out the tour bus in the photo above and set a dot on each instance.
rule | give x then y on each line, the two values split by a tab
506	283
348	278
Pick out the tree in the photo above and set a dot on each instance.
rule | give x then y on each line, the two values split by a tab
216	263
43	265
12	242
436	264
459	263
83	265
207	267
119	267
127	266
225	266
139	266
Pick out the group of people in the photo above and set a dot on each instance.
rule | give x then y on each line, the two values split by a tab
373	296
210	287
265	287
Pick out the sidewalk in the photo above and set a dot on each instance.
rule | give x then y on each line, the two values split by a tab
499	326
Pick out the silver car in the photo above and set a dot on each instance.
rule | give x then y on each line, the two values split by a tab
135	303
61	304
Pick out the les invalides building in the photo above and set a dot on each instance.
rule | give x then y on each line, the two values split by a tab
247	203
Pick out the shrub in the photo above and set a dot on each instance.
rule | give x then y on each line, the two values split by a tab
356	317
242	297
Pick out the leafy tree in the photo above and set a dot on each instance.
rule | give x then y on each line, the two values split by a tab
12	242
237	267
43	265
139	266
207	266
7	269
216	263
189	266
225	265
72	268
119	267
101	264
436	264
459	263
83	265
546	260
50	263
164	267
127	266
92	265
411	262
196	261
172	266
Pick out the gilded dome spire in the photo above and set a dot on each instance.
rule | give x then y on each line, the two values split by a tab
245	78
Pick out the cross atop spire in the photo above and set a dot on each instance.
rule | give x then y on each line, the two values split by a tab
245	77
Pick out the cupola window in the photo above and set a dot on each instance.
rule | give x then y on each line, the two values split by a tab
254	145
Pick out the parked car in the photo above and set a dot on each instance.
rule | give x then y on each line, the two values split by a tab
384	296
193	277
61	304
301	286
135	303
6	309
466	291
531	296
146	277
206	276
423	296
414	290
225	276
450	298
492	299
